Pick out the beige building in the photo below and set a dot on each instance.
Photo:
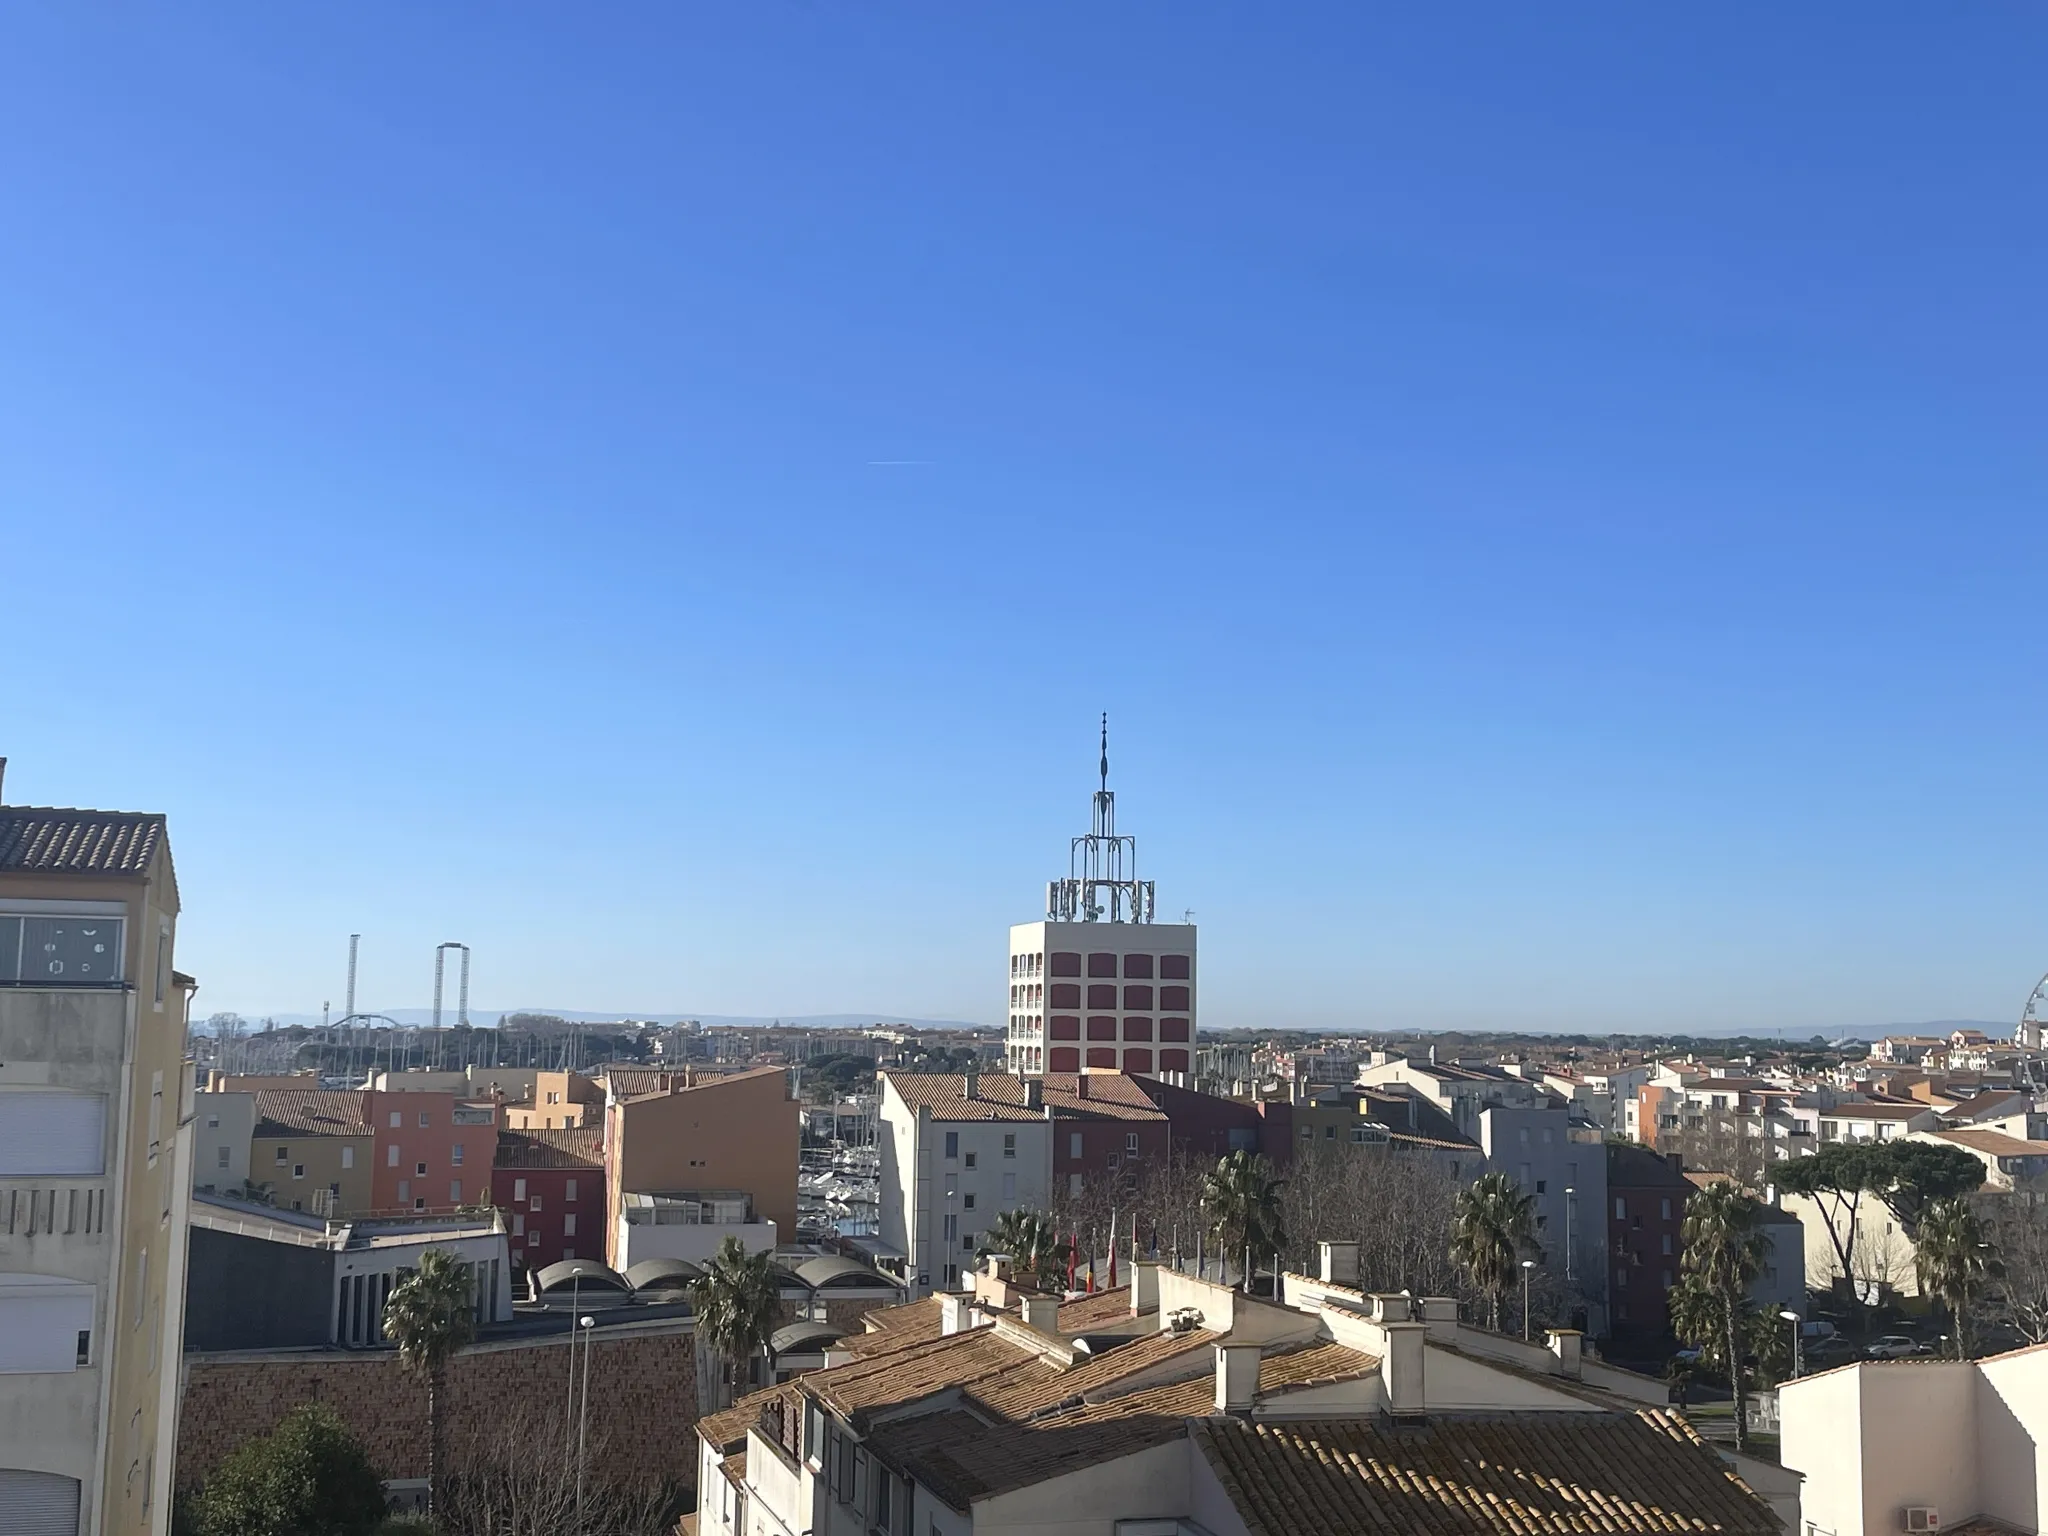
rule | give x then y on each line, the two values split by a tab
222	1126
95	1171
312	1151
701	1144
1920	1445
557	1101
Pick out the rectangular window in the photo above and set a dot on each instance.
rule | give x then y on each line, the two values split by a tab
424	1121
1542	1186
533	1204
348	1157
141	1284
519	1189
970	1159
391	1155
455	1155
1664	1208
397	1119
419	1202
45	1327
1667	1244
1009	1144
420	1170
298	1170
213	1122
1074	1184
61	951
950	1227
952	1143
569	1225
533	1238
222	1154
404	1190
455	1191
1009	1186
519	1223
1620	1209
966	1201
568	1189
1074	1145
163	960
284	1155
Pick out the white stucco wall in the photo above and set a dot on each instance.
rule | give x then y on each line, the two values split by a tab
2012	1438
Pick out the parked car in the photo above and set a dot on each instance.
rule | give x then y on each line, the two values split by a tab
1894	1346
1812	1332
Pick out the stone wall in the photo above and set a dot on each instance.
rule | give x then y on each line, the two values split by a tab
643	1404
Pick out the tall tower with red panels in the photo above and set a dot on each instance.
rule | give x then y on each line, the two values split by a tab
1098	984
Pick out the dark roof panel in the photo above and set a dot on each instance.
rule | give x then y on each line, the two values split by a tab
48	840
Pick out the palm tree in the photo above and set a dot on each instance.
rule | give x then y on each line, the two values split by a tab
431	1314
738	1302
1241	1203
1494	1228
1954	1261
1725	1248
1032	1244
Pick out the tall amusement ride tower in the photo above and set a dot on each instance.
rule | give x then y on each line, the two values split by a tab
1098	985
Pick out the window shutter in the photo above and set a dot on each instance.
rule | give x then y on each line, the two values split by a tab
60	1135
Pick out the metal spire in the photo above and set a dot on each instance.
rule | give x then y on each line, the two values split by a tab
1105	751
1102	870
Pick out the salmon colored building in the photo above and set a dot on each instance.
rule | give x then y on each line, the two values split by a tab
430	1151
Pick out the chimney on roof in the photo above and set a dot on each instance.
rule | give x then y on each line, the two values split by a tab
1034	1094
1080	1085
1041	1312
1237	1377
971	1083
1339	1262
3	780
1432	1055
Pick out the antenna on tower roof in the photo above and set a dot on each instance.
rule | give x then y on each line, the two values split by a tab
1105	750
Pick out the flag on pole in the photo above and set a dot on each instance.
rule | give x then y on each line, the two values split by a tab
1073	1258
1112	1249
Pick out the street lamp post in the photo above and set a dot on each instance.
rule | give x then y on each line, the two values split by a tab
575	1300
582	1421
1798	1344
1528	1265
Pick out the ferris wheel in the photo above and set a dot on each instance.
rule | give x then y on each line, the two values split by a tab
2034	1017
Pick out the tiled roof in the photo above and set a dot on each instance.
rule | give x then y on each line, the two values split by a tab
917	1322
1086	1312
900	1376
945	1095
961	1458
310	1112
1111	1096
1876	1111
45	840
1312	1365
727	1429
579	1147
1018	1394
1532	1474
1995	1142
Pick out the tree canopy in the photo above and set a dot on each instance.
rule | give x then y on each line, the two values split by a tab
307	1477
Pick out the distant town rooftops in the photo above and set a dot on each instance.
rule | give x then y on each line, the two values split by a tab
53	840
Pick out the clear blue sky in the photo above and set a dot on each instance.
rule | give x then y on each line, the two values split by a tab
1551	498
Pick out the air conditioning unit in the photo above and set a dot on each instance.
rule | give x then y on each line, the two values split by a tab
1922	1517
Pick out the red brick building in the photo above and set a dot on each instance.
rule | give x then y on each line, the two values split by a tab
551	1187
1646	1195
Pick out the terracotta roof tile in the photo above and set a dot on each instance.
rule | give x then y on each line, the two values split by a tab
1017	1394
310	1112
577	1147
889	1328
962	1458
1086	1312
1532	1474
727	1429
888	1380
51	840
946	1097
1998	1143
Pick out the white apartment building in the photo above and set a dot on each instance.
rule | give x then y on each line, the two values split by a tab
95	1172
951	1163
1098	984
1919	1445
